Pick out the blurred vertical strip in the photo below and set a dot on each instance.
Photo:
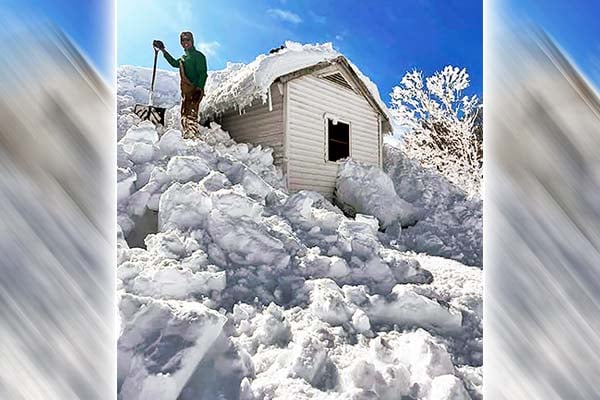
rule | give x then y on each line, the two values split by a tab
57	211
542	217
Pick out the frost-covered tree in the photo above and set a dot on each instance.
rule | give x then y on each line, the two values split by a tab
442	128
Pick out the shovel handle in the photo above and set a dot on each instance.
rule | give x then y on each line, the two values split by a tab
154	69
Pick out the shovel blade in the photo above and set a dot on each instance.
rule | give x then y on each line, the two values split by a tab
156	115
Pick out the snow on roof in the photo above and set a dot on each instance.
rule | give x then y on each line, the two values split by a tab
238	85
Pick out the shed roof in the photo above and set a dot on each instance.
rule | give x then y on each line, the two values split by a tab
238	85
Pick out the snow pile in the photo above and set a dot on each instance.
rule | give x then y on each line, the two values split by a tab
148	166
367	189
306	357
242	291
450	224
134	87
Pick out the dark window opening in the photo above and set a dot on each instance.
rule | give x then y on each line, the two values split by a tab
338	140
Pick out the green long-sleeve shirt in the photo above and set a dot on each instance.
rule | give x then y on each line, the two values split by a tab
194	66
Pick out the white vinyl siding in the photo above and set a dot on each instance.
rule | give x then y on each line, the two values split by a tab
309	101
258	125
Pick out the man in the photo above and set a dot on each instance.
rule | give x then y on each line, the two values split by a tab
193	72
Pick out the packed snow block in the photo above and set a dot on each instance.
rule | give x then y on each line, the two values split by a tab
139	142
404	307
314	265
171	280
148	196
187	168
405	269
382	381
447	387
310	211
161	344
184	206
358	238
171	143
360	321
327	302
310	361
236	204
472	378
365	189
418	353
246	241
125	183
125	121
271	328
215	181
123	160
168	245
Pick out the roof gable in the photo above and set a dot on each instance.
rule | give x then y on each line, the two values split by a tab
338	79
341	67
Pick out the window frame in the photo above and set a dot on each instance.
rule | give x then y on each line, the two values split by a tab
326	118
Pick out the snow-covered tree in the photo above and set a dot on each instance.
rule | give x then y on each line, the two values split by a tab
442	128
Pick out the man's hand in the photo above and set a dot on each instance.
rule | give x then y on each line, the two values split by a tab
158	44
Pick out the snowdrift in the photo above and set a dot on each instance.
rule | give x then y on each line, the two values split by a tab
242	291
450	224
366	189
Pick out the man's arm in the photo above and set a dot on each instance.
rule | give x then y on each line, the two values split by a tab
173	61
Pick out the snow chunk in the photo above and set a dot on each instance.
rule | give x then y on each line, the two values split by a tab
408	308
125	183
311	362
187	168
170	280
360	321
161	344
246	241
447	387
183	207
366	189
328	302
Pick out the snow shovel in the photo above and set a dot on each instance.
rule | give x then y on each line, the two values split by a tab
154	114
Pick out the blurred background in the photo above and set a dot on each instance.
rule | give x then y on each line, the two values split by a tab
57	201
541	208
541	183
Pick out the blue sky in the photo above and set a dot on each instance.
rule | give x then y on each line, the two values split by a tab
572	24
89	24
384	38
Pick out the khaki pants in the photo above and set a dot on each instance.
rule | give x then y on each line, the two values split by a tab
190	103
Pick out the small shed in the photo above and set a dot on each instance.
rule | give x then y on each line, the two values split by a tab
307	102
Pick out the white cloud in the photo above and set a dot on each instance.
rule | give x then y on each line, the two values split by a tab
284	15
209	48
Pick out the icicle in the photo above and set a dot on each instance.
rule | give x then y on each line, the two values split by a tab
270	100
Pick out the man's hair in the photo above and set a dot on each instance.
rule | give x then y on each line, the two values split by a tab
186	34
